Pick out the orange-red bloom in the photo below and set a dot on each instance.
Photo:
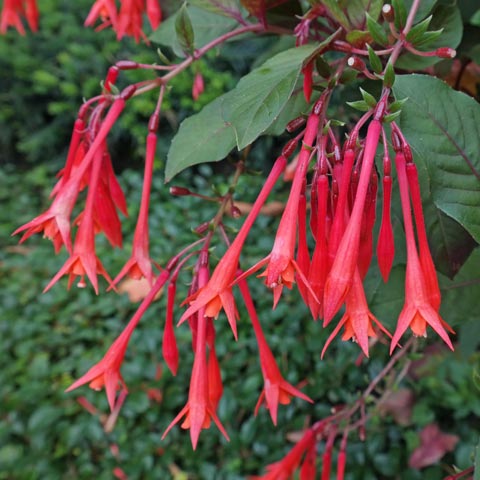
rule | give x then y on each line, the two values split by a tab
417	312
13	10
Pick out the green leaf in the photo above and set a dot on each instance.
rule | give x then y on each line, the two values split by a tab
204	137
360	105
206	27
400	13
428	37
337	13
389	76
368	98
374	59
475	20
261	95
358	37
397	105
376	31
446	17
443	128
418	30
184	30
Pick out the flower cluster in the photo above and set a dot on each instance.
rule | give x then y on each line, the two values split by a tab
324	242
125	20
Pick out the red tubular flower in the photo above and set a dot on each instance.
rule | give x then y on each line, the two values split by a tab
106	10
426	261
365	251
130	19
417	312
217	294
341	464
140	265
341	274
107	371
215	385
308	471
281	265
276	389
83	260
318	271
199	410
154	13
13	10
357	320
285	468
385	243
307	71
198	86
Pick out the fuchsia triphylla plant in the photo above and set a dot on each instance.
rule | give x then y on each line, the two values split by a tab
341	194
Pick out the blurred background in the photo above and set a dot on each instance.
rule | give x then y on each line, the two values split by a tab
48	340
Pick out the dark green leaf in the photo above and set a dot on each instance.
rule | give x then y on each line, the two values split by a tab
400	13
322	67
184	30
368	98
336	12
428	37
418	30
443	127
397	105
206	27
360	105
204	137
389	76
376	31
475	20
374	59
391	117
446	17
261	95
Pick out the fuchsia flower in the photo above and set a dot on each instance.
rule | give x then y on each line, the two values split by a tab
107	371
281	264
140	265
357	321
198	86
13	10
417	312
285	468
201	404
341	273
106	11
276	389
217	293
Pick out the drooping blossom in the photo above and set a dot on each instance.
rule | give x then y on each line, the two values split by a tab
198	86
357	320
140	264
285	468
107	371
417	312
343	268
281	265
199	409
12	13
276	389
106	11
217	293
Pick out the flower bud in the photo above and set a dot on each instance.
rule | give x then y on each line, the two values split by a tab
179	191
388	13
445	52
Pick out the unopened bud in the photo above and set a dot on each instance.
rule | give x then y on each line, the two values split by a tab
198	86
445	52
388	13
202	228
126	65
235	212
342	46
111	78
127	92
179	191
289	148
356	63
295	124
